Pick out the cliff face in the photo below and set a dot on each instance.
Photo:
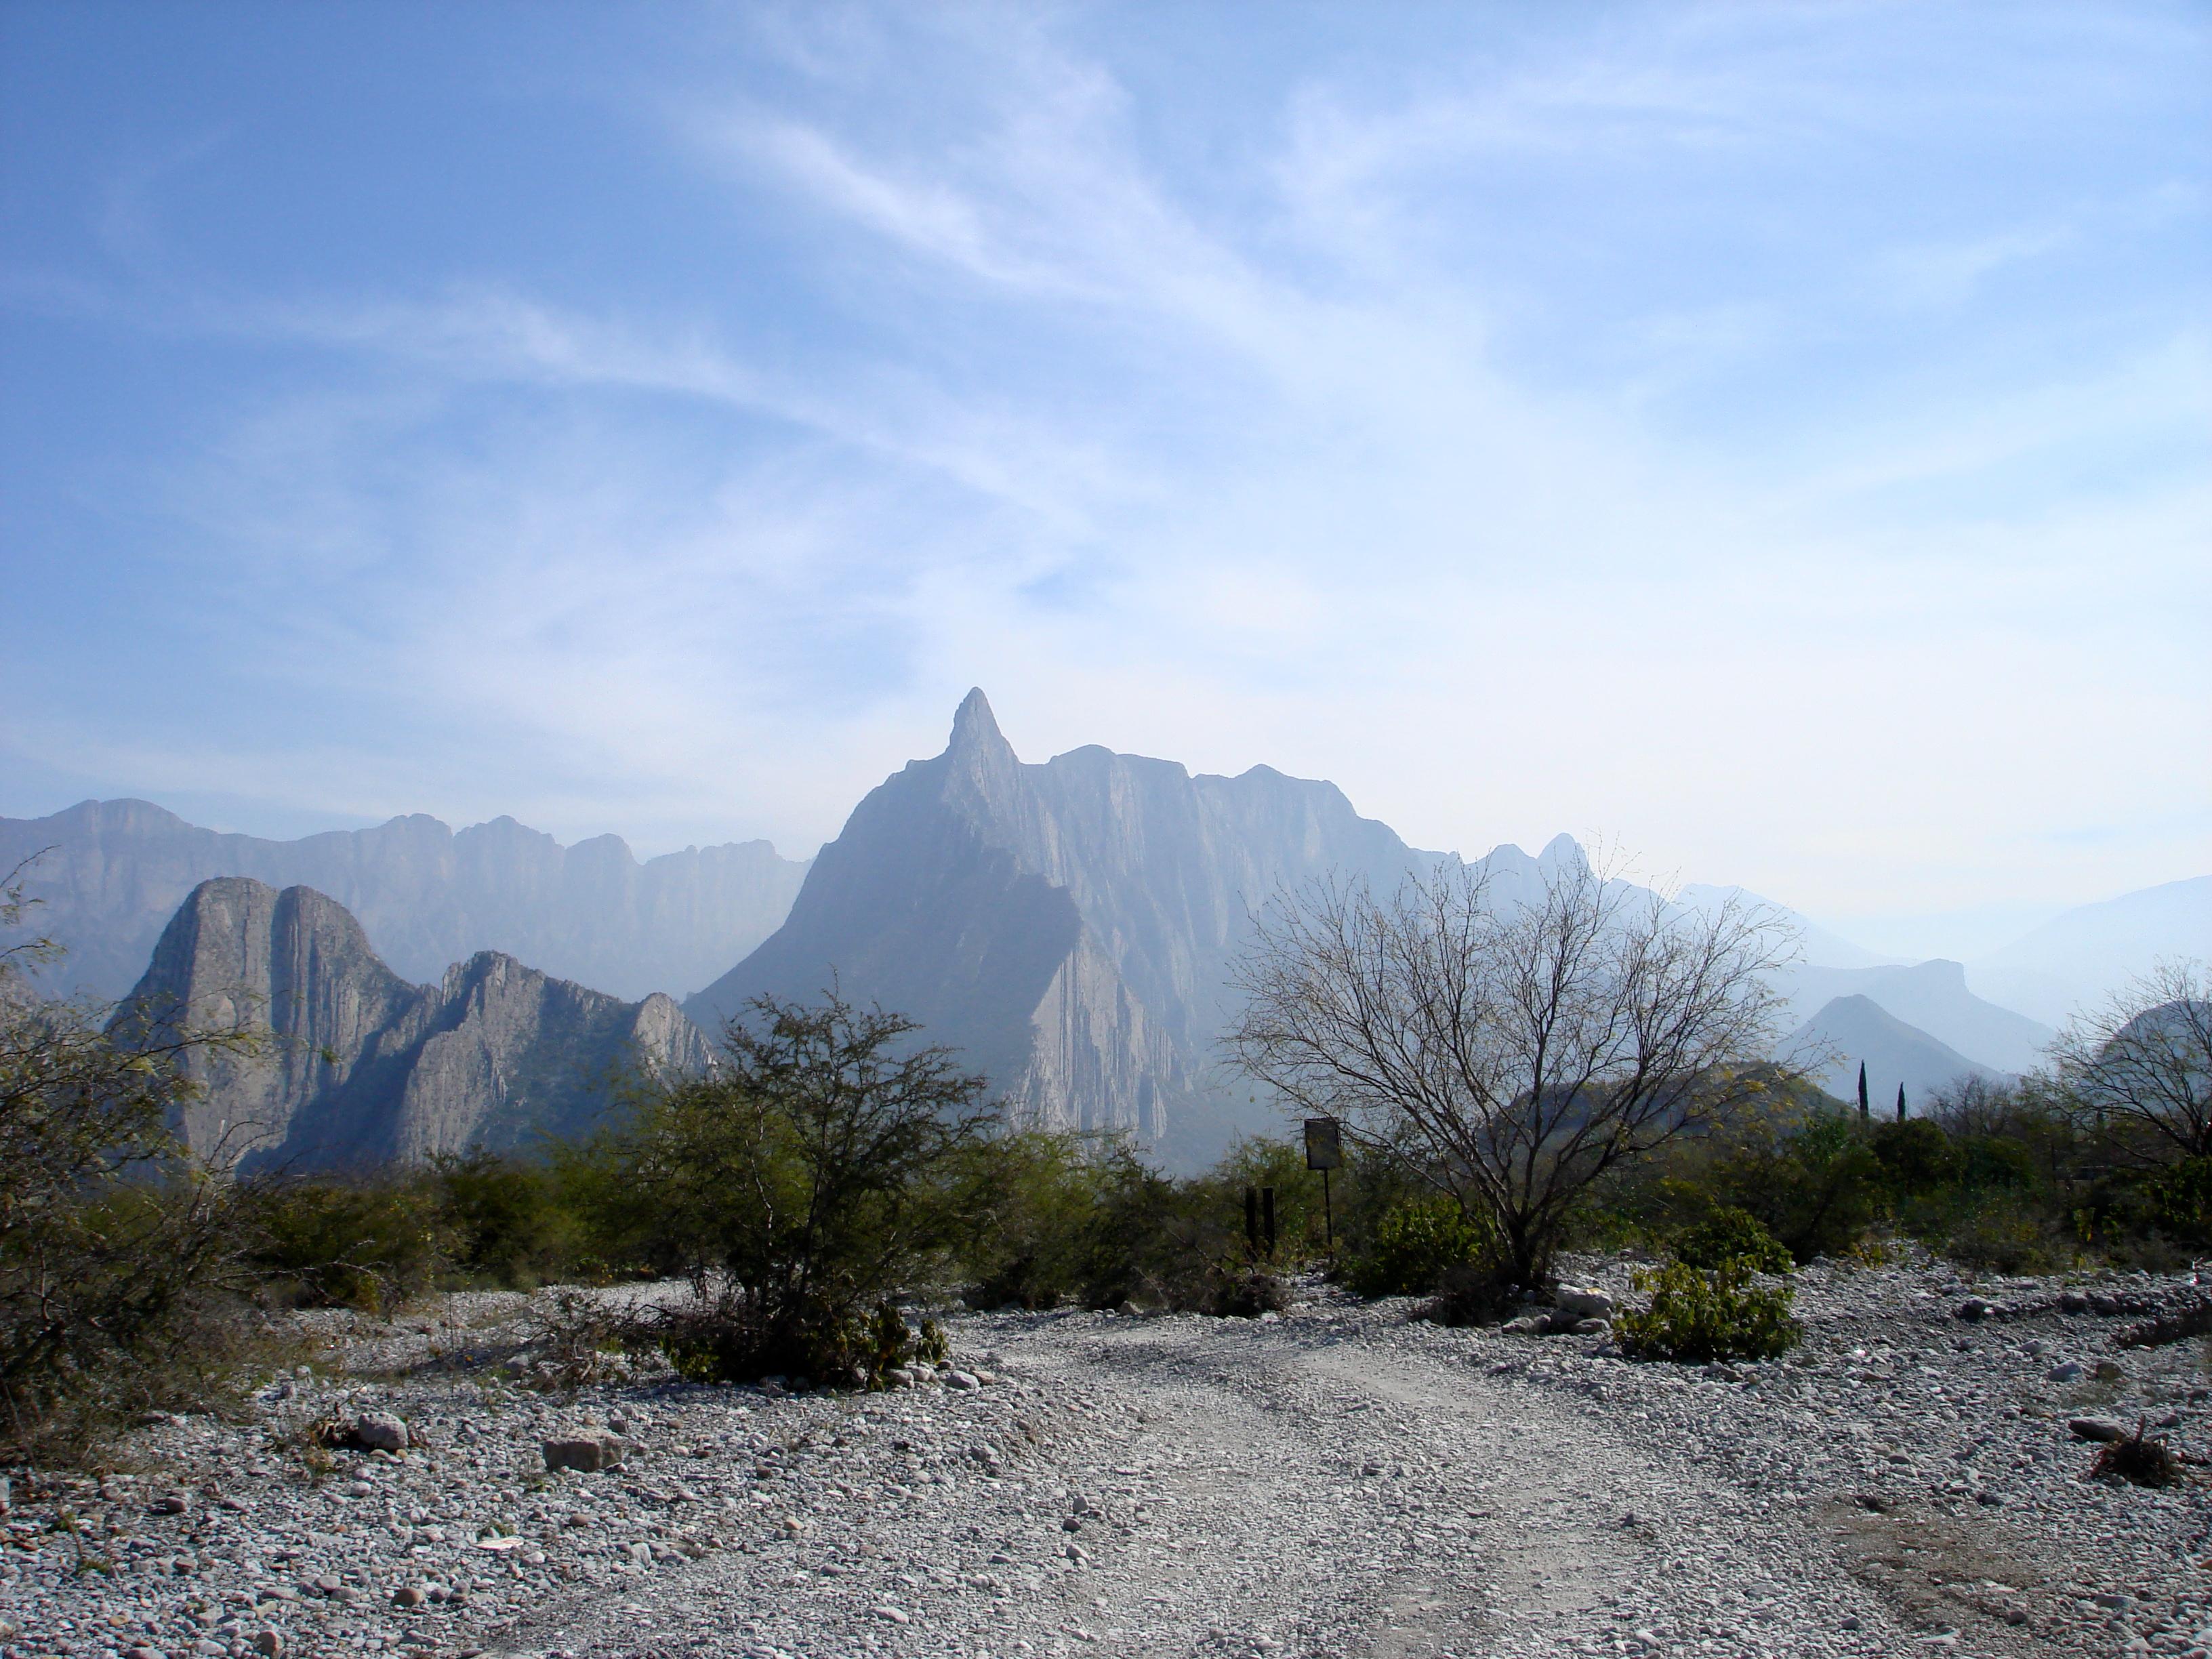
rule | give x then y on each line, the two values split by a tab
360	1067
427	896
1069	925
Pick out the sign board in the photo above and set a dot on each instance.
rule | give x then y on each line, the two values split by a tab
1324	1143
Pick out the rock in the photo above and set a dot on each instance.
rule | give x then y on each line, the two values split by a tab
412	1068
2095	1428
1583	1302
1528	1324
1591	1327
891	1615
270	1643
379	1431
2073	1302
587	1453
409	1595
963	1380
2067	1371
1974	1308
174	1503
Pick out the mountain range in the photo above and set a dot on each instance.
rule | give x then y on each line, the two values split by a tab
1070	926
113	873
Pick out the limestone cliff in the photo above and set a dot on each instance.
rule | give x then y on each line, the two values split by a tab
1070	926
358	1066
114	871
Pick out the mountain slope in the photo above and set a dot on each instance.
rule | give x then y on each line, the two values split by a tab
1855	1028
427	896
360	1067
2079	958
1069	925
1933	997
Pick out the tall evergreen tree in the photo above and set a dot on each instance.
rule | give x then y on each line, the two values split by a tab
1863	1092
1900	1103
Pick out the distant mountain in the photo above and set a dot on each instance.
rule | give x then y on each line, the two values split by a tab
1821	947
1069	925
2078	959
426	896
1855	1028
361	1067
1932	996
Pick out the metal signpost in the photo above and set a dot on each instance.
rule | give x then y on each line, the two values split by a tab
1325	1151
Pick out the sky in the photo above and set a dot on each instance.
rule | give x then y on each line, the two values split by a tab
1775	440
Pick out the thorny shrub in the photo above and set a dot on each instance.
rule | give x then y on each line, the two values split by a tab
1699	1315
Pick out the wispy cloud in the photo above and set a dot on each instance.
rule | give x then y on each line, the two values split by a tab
1390	422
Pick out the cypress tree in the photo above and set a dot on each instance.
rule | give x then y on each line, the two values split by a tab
1863	1092
1900	1103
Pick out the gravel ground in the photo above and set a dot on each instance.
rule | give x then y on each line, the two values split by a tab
1340	1480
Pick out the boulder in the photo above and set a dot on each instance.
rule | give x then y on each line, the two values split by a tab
379	1431
588	1453
1583	1302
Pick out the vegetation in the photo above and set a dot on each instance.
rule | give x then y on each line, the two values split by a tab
833	1175
118	1252
1513	1054
1699	1315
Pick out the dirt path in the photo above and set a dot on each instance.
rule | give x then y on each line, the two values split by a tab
1245	1488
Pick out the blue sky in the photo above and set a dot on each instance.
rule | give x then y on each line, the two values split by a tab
1775	438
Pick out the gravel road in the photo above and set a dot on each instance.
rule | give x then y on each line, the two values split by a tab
1341	1480
1203	1487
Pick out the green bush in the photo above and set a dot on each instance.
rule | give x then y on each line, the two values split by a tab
1699	1315
372	1245
1415	1244
119	1253
799	1185
505	1220
1729	1234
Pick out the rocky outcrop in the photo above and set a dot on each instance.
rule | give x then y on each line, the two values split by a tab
1070	926
355	1065
114	871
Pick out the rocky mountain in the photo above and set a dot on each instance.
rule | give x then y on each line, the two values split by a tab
1851	1030
359	1066
1068	925
427	895
2076	960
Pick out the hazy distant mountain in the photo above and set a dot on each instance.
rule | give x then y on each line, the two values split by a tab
362	1068
1822	948
2079	958
1855	1028
426	896
1069	925
1932	996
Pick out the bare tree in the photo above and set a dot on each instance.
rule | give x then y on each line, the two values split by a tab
2143	1061
1512	1051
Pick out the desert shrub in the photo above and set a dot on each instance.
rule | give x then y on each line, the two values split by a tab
1699	1315
2178	1200
373	1245
799	1185
118	1253
1026	1202
1812	1181
2005	1233
1415	1245
2138	1461
1915	1156
1729	1234
504	1221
